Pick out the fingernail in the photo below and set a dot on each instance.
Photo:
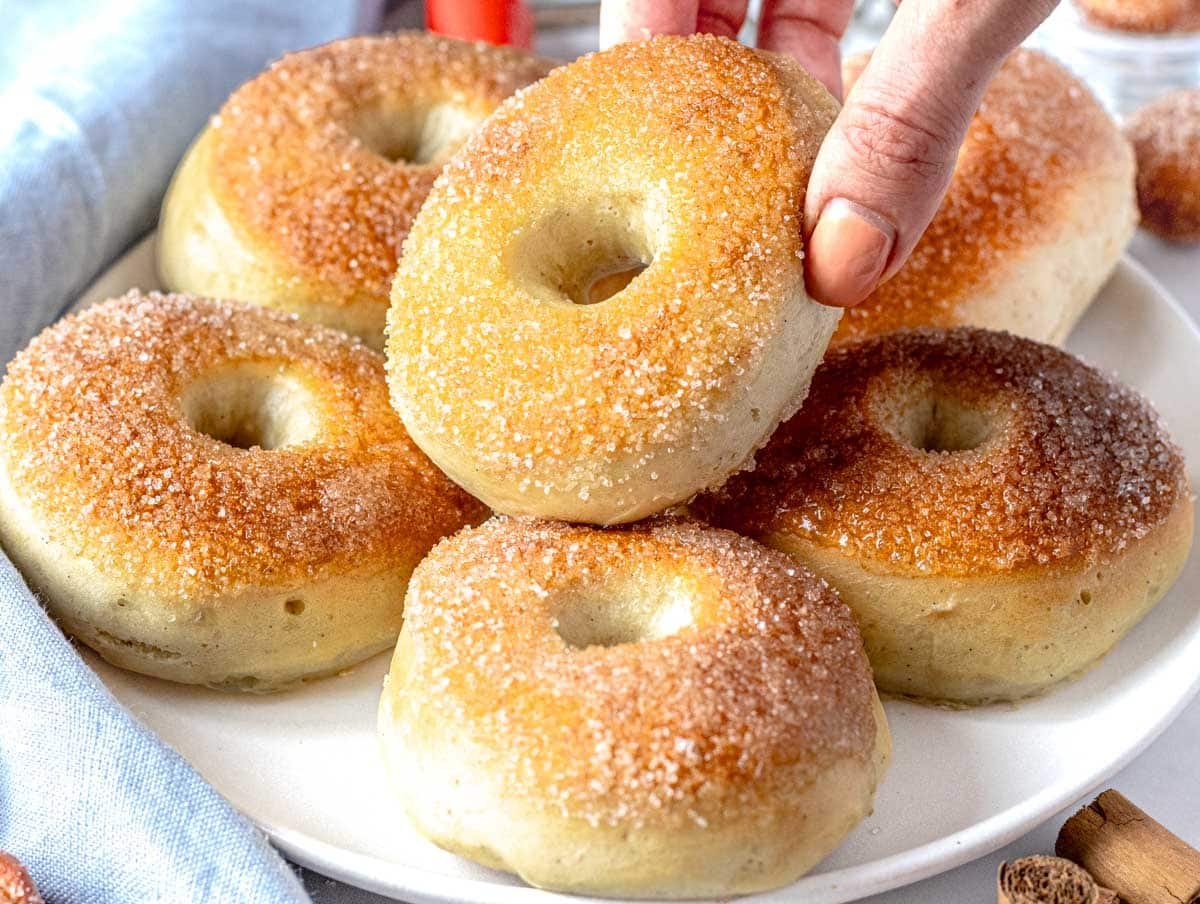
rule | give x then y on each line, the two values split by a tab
847	253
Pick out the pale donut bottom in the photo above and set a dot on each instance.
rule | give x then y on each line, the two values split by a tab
999	637
1044	292
609	489
200	251
447	787
260	639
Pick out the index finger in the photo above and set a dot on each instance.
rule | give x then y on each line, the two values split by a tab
809	31
638	20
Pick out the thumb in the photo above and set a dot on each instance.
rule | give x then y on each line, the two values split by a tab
886	163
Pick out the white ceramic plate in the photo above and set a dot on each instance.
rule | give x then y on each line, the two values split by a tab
962	784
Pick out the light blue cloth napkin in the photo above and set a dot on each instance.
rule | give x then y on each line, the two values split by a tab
99	99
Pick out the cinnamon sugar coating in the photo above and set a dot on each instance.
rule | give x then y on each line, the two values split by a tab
98	445
290	168
1070	466
1157	16
765	681
1166	139
1038	134
15	885
688	154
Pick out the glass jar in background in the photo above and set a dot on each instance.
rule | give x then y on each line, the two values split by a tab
1125	69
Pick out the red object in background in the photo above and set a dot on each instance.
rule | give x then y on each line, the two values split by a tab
494	21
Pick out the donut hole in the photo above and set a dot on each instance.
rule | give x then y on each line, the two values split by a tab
249	407
402	133
586	254
942	423
608	616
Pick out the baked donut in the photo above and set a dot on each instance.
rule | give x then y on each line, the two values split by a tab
996	513
662	711
1166	139
15	885
681	160
215	493
1143	15
1040	208
299	192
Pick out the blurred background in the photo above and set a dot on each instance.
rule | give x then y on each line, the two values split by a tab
1125	68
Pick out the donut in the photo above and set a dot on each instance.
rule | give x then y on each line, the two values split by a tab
15	885
215	493
1143	15
663	710
301	189
996	513
1166	136
672	170
1040	208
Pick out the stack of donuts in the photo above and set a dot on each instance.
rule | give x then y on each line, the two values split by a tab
626	662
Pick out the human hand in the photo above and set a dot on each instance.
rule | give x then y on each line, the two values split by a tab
886	163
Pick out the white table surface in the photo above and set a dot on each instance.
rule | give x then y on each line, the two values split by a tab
1164	781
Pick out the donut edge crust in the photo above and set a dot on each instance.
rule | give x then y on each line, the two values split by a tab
626	486
471	819
806	780
976	640
247	643
199	250
261	621
206	244
1042	287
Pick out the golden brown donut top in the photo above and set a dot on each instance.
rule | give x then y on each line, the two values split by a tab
766	677
1072	464
97	444
1143	15
716	143
1037	133
1166	139
290	170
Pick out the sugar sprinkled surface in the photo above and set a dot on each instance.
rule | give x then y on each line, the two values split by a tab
96	443
1037	134
1166	139
713	145
1143	15
287	161
767	685
1079	465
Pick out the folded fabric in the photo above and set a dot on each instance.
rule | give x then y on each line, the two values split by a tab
100	100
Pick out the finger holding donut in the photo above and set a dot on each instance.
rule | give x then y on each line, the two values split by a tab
680	163
887	162
806	30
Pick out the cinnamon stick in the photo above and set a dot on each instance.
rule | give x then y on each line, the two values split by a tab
1048	880
1127	851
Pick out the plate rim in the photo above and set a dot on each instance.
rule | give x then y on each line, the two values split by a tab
419	885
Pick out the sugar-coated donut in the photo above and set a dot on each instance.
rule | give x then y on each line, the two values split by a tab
15	885
665	710
215	493
687	157
1143	15
996	513
1040	208
1166	139
299	192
